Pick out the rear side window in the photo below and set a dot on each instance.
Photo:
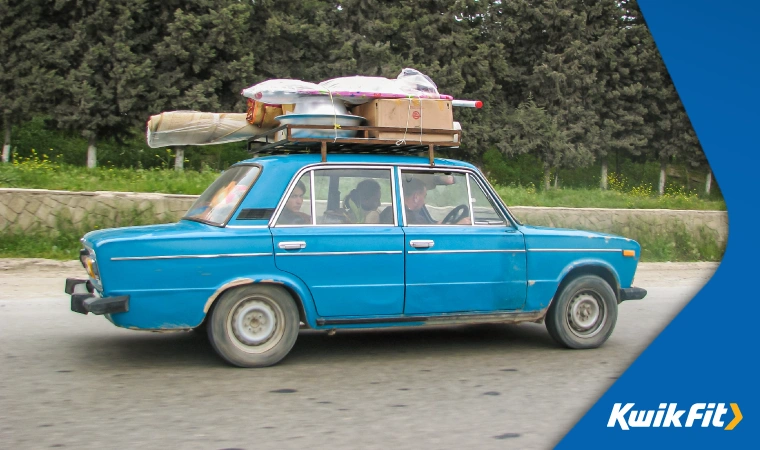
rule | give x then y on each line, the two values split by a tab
221	199
342	196
353	196
297	208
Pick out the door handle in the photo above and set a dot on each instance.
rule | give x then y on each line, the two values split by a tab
422	244
292	245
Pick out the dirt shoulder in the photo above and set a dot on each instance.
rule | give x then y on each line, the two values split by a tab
10	267
670	274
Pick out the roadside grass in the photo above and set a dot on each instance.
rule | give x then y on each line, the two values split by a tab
40	172
596	198
677	245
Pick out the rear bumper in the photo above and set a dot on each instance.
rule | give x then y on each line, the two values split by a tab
88	302
632	293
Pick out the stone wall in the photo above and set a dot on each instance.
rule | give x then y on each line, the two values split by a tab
26	209
628	222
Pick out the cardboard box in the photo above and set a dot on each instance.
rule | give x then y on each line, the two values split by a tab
411	114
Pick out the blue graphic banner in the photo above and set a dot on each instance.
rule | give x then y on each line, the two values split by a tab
698	378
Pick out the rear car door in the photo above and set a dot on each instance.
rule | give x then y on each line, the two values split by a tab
467	258
353	265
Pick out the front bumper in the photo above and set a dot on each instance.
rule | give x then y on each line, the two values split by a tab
88	302
632	293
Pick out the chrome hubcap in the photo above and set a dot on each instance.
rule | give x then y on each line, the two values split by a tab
585	314
253	322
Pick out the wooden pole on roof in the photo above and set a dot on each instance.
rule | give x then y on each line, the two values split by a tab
324	151
431	154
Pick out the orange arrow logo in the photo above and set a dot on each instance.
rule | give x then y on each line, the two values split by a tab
737	417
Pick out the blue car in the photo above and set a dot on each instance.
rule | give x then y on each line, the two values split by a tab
284	242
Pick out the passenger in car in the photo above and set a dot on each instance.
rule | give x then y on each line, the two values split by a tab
291	214
362	202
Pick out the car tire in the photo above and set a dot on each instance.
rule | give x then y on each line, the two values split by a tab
583	313
254	326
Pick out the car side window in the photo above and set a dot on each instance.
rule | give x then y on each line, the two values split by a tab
353	196
435	198
297	207
483	210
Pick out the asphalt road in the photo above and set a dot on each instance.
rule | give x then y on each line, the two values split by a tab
74	381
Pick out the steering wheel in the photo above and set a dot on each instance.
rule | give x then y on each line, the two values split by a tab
457	214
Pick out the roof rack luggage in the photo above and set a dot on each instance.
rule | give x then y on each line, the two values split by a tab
281	140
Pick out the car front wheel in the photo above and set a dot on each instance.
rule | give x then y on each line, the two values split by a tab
583	314
254	326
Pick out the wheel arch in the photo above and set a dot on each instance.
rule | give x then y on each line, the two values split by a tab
299	293
598	268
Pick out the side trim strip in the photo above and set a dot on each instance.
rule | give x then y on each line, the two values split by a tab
228	255
575	250
394	252
515	316
466	251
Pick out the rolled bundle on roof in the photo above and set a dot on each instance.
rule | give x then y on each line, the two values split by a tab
198	128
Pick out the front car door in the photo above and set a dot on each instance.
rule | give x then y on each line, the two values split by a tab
462	253
328	233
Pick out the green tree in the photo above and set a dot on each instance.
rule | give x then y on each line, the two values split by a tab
616	45
548	48
667	126
204	58
106	91
304	40
30	65
531	129
452	41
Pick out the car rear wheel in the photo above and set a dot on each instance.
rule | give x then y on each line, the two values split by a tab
254	326
583	314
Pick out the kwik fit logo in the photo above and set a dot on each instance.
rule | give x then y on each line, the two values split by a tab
669	415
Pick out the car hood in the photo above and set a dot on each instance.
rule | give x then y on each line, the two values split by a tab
563	238
183	228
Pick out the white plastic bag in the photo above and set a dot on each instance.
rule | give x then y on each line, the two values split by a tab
355	90
282	91
414	82
359	89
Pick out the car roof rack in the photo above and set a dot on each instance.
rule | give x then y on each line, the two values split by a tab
280	141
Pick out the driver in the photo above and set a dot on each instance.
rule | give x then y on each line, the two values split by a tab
415	193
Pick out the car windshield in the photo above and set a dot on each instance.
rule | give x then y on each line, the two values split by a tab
219	201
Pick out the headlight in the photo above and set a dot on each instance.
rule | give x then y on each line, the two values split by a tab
89	263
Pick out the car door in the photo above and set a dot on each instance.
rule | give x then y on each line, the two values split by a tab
351	267
472	263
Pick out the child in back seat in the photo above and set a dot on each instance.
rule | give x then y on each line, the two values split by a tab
362	202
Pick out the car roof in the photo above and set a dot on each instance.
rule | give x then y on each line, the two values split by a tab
297	161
